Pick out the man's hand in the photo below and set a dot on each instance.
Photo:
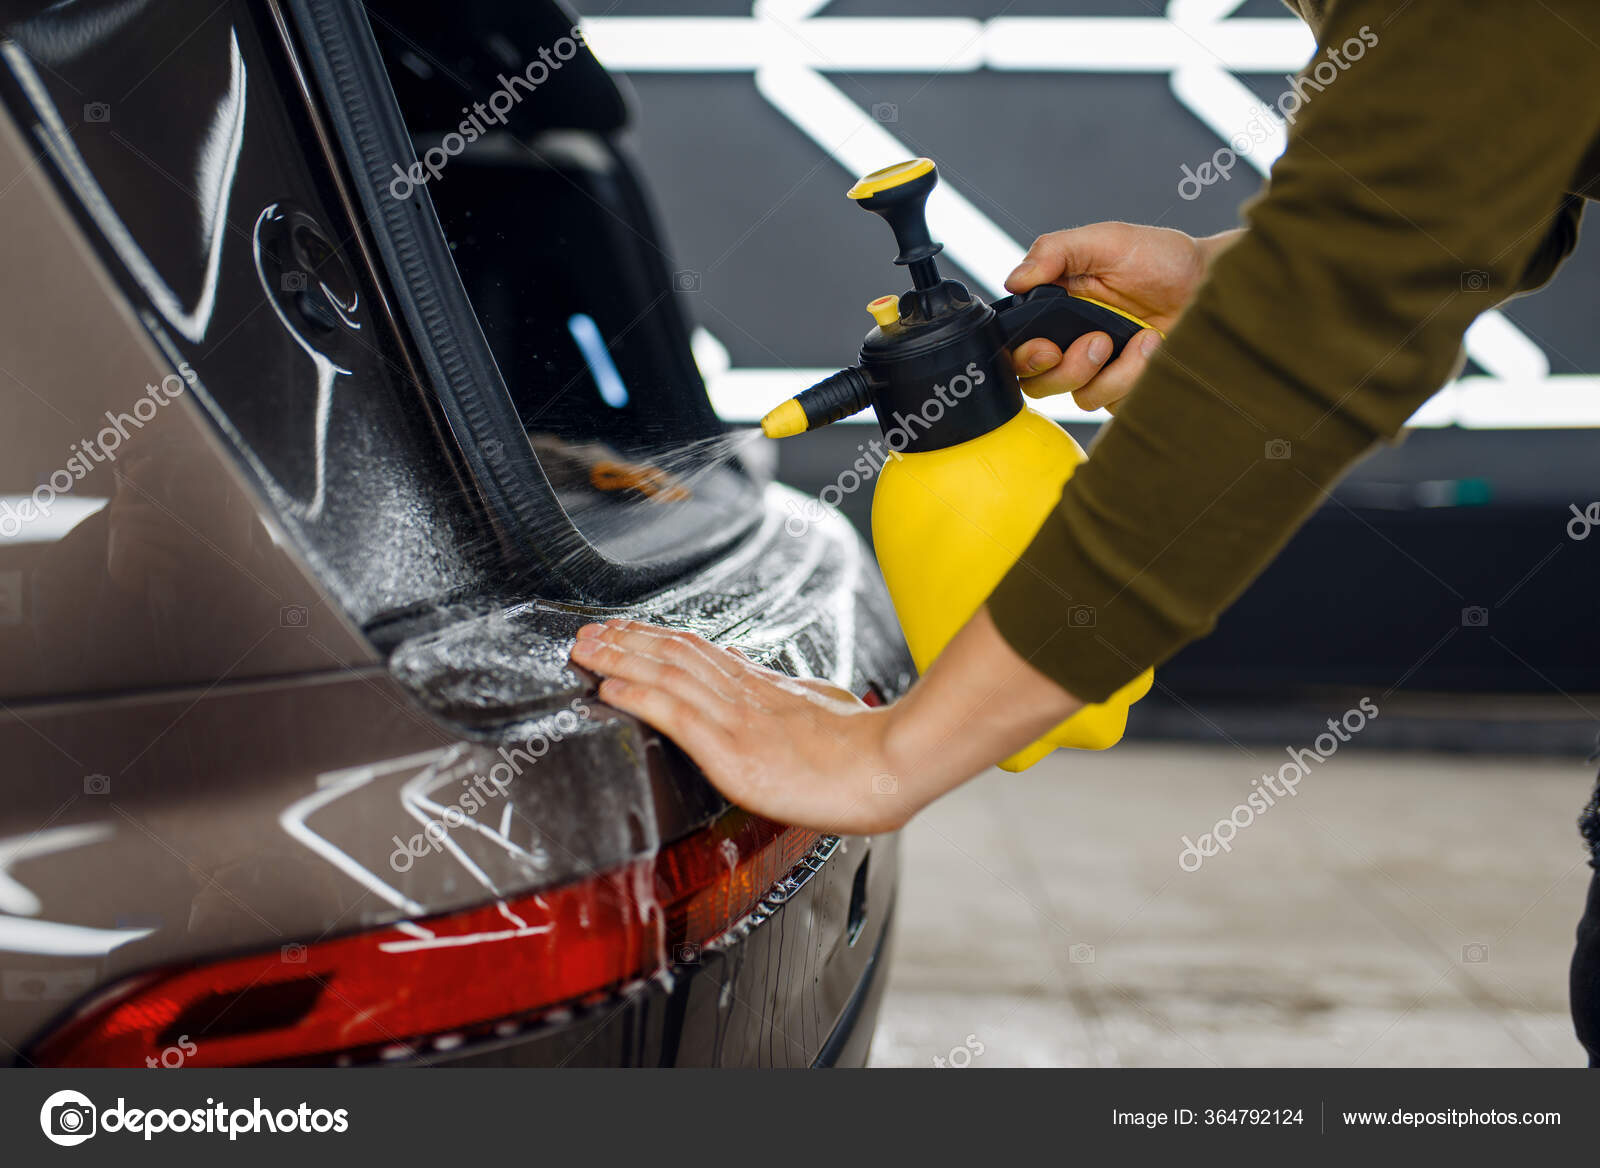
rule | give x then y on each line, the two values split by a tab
798	751
807	753
1152	272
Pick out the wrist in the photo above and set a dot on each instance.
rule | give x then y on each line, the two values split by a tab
901	750
1214	245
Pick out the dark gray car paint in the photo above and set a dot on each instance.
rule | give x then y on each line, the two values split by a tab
206	754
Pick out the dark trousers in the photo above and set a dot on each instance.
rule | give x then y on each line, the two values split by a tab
1585	977
1585	981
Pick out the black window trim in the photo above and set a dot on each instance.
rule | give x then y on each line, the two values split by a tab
342	58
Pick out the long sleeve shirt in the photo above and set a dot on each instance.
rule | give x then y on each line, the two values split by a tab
1439	172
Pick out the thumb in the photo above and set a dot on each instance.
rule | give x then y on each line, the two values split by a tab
1060	256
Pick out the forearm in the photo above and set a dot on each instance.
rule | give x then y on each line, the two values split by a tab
979	701
1316	334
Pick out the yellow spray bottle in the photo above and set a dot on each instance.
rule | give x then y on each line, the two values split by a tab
970	473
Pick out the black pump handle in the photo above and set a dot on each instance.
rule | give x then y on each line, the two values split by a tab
1051	312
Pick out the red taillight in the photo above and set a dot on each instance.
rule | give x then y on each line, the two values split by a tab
376	994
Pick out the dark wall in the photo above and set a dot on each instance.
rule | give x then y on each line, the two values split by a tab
1372	590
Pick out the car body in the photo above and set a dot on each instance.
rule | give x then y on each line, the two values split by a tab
309	483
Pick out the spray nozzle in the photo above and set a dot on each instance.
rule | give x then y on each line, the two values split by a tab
846	392
937	337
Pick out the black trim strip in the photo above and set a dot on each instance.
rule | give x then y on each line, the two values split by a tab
342	56
863	999
360	105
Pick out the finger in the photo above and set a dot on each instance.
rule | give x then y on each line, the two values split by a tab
641	665
704	660
819	685
726	663
1034	357
1118	378
689	650
1064	254
1044	262
675	716
1079	365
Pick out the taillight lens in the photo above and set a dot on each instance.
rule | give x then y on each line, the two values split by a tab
376	995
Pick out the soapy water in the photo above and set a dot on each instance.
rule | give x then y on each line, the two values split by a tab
599	805
504	656
807	606
701	455
679	473
635	505
650	501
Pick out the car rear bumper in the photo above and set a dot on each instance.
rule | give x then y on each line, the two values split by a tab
850	1044
788	988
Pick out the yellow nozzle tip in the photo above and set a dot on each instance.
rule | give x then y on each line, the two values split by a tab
785	421
889	177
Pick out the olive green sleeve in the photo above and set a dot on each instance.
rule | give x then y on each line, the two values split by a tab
1559	242
1424	183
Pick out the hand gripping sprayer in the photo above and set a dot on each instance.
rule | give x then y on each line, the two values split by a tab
970	473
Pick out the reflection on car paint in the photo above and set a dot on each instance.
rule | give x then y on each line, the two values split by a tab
15	897
215	168
327	369
192	808
47	527
53	938
602	368
61	32
505	677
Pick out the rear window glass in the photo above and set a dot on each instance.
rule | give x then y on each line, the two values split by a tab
568	275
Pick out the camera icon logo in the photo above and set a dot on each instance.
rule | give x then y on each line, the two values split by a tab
1278	449
97	784
1474	281
293	953
885	784
686	953
292	281
68	1118
98	112
293	616
884	111
686	280
1081	954
1475	616
1476	953
1081	616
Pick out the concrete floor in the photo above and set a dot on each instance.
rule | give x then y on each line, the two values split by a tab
1399	910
